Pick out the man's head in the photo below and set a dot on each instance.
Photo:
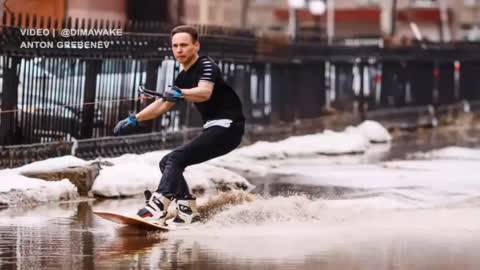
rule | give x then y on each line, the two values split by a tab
185	44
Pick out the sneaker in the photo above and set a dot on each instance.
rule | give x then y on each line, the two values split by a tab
156	206
187	212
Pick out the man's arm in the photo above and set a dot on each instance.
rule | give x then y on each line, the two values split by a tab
155	109
201	93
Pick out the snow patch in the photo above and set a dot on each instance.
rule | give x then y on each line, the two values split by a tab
126	179
18	189
353	140
451	152
374	132
132	176
51	164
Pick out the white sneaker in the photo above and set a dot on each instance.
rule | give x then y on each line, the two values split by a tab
187	212
156	207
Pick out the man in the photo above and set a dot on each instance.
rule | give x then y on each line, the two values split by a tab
199	82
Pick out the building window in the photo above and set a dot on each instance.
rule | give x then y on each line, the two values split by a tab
265	2
212	14
471	3
471	33
423	3
369	2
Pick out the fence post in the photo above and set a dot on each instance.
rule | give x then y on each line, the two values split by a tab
421	81
241	84
446	83
309	89
362	98
469	82
10	132
92	69
344	94
280	93
394	79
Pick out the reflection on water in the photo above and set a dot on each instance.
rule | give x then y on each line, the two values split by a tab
39	237
428	139
340	239
295	232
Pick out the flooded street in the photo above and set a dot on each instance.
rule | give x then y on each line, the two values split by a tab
70	237
309	214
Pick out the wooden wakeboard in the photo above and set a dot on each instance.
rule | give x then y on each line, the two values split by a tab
133	221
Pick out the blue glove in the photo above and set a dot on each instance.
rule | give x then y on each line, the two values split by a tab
127	126
173	94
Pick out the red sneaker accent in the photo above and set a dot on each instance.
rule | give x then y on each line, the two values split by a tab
147	215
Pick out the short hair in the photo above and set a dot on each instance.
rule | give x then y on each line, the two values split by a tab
186	29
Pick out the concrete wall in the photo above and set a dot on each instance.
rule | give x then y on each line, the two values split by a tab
54	8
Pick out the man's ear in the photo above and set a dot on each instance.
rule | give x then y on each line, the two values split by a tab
197	45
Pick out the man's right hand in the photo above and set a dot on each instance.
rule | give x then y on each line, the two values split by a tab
173	94
126	126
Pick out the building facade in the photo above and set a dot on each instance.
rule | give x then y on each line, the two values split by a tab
434	20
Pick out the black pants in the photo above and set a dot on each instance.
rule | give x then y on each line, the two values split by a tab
213	142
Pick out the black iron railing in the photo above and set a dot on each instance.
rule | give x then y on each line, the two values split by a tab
52	94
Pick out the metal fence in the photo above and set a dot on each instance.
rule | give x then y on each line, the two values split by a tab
54	95
51	94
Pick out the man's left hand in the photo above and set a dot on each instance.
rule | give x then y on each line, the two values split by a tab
127	126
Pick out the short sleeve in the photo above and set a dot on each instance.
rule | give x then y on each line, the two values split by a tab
209	71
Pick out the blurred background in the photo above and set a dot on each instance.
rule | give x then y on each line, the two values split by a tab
437	20
310	63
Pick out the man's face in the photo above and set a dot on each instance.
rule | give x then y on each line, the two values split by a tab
183	47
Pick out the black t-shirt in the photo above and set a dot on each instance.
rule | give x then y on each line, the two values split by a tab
224	103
